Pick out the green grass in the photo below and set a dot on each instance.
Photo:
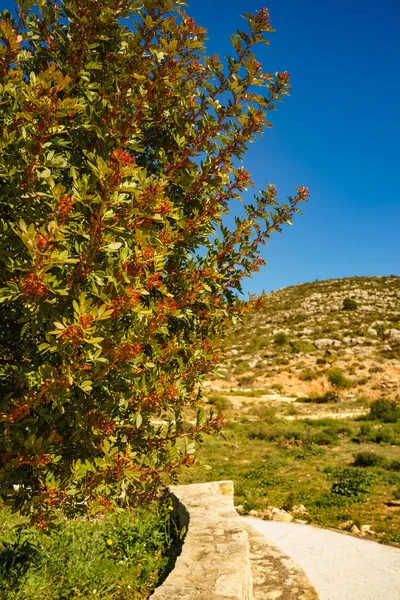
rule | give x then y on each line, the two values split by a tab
119	557
310	462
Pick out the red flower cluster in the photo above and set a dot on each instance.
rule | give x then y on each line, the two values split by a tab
191	25
304	192
85	321
123	157
97	421
262	16
125	303
127	351
65	205
16	412
164	207
73	334
154	281
33	286
43	242
242	176
284	77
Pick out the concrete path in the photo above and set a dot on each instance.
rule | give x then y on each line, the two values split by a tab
341	567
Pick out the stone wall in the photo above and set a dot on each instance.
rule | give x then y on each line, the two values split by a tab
215	561
222	557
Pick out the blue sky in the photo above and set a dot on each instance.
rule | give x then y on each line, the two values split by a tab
338	133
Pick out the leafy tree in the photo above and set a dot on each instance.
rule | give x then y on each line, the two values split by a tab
121	149
338	381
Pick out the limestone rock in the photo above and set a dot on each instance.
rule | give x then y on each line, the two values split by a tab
299	509
281	515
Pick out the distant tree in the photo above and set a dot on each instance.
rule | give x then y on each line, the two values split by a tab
121	149
338	381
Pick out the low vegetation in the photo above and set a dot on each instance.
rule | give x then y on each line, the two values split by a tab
119	557
345	471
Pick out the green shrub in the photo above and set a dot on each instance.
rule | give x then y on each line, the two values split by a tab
278	387
323	438
349	304
387	411
377	435
281	339
268	414
220	402
302	346
369	459
329	396
338	380
350	482
262	431
246	380
308	375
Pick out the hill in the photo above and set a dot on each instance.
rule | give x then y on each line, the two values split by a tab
302	331
296	445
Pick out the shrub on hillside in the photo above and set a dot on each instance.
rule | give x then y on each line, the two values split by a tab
387	411
281	339
338	380
350	482
302	346
349	304
308	375
369	459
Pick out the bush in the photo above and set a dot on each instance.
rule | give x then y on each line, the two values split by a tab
323	438
119	158
268	432
220	402
301	346
268	414
394	466
349	304
338	380
318	399
278	387
381	435
308	375
387	411
369	459
281	339
350	482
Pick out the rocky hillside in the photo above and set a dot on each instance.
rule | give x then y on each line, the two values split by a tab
304	331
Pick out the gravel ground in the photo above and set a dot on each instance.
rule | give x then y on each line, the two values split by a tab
340	566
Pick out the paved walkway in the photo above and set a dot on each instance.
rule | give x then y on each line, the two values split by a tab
341	567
